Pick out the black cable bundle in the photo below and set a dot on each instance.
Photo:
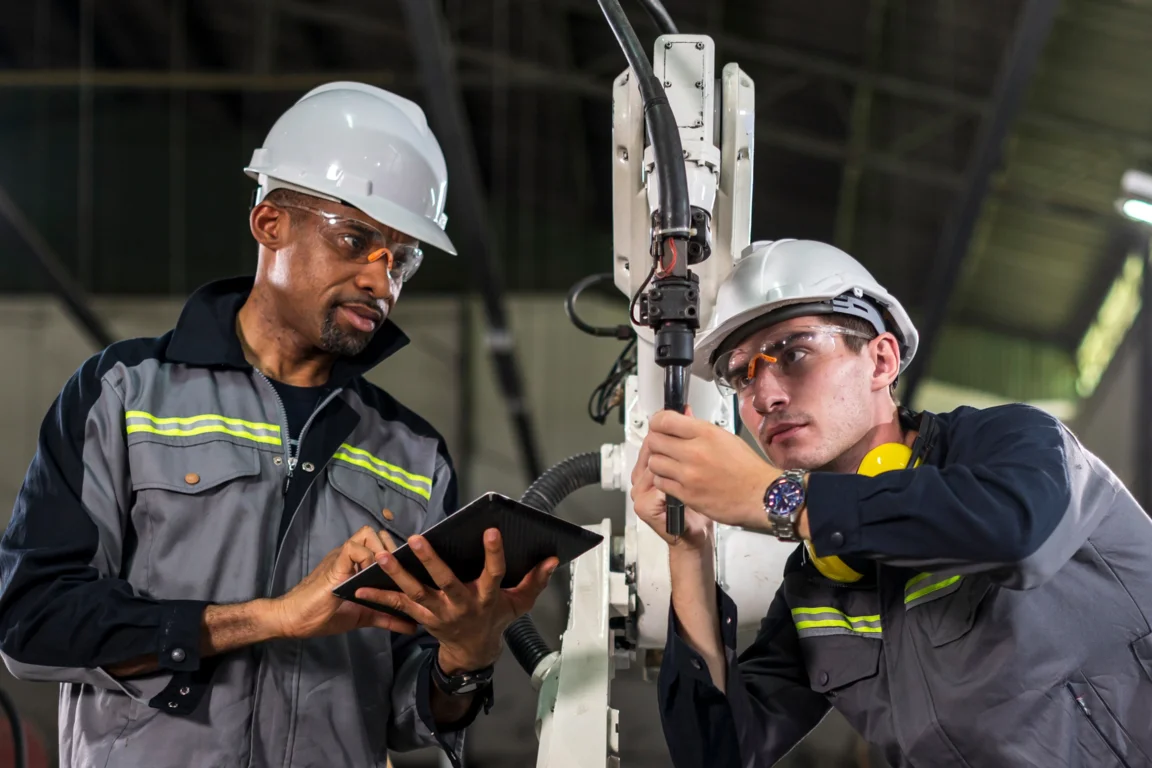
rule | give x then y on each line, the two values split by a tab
610	392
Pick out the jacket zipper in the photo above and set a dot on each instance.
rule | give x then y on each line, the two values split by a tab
1088	716
289	459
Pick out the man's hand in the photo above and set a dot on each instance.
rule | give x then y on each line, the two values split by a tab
468	619
708	468
650	504
311	610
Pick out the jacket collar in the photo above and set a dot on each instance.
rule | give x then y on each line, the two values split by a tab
205	334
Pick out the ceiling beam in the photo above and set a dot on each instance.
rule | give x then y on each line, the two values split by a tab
859	130
1032	29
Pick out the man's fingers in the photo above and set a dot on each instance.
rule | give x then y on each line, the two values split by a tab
388	541
406	581
494	565
670	487
366	537
358	554
665	468
673	447
393	624
673	424
438	569
641	462
396	601
530	588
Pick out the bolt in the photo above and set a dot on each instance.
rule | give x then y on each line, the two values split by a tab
699	46
667	83
667	46
698	124
699	83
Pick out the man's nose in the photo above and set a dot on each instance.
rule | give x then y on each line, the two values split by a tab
767	392
373	279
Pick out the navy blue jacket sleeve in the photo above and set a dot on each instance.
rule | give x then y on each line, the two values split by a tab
1002	502
64	612
766	709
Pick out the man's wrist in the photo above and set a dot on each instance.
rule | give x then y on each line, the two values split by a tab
268	619
454	661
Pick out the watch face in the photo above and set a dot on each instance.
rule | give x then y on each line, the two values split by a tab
784	497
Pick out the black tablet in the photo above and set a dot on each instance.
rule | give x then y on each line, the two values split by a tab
530	537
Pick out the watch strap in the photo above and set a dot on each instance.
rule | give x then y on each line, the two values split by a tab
460	684
784	525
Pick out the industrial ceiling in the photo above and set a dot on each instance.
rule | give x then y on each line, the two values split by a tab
968	152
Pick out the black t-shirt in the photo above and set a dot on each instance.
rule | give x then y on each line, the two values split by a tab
299	403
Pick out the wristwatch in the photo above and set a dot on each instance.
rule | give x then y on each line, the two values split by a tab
782	504
463	683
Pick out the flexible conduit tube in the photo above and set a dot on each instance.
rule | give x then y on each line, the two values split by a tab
576	472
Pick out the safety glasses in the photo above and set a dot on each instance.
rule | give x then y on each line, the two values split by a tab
361	243
789	357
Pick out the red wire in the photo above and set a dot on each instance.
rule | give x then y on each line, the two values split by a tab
665	272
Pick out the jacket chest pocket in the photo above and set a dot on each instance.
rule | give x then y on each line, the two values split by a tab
840	631
944	606
378	502
197	506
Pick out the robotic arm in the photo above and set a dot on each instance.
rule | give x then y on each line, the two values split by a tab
681	219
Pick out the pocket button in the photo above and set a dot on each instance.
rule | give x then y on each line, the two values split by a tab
823	678
191	478
388	514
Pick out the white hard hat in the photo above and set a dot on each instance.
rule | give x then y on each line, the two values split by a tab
365	147
778	280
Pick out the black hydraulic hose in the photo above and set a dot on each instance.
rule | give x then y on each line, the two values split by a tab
528	646
660	15
18	746
622	332
675	206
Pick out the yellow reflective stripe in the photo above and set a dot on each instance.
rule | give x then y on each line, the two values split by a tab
425	492
186	420
834	623
932	588
917	579
798	611
391	467
271	440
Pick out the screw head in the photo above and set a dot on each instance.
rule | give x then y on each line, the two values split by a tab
667	83
667	46
699	46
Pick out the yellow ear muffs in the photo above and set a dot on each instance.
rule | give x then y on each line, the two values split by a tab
882	458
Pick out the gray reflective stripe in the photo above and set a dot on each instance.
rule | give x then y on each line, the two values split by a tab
192	426
926	587
824	620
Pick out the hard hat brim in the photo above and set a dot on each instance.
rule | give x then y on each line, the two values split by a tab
384	211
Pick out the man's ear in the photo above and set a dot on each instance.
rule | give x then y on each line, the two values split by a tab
269	225
885	361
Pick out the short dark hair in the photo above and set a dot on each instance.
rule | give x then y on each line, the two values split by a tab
852	323
857	343
282	196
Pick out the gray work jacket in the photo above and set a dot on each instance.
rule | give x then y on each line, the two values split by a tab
1004	618
159	487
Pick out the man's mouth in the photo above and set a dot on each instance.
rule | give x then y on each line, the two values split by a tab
362	317
782	432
